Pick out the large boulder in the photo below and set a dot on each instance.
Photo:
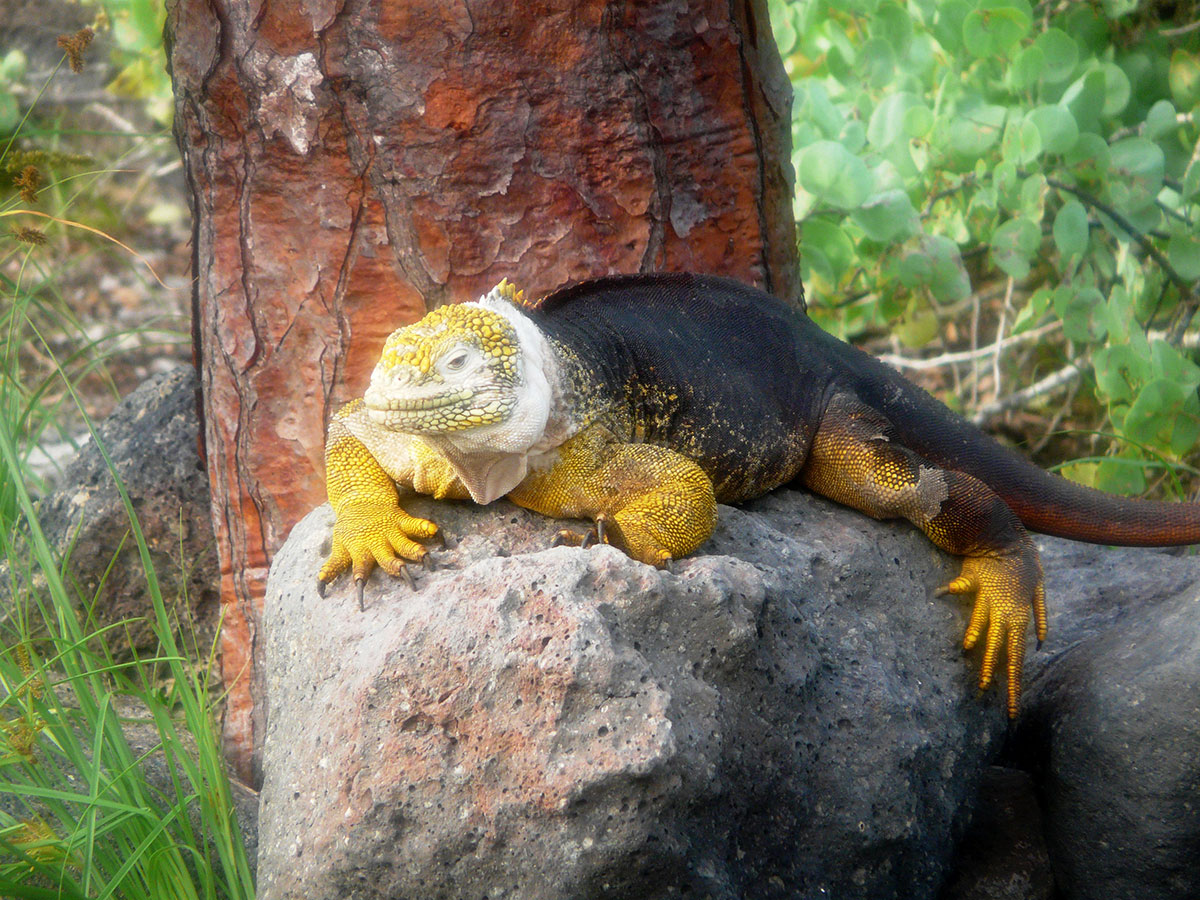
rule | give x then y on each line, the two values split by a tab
788	714
153	441
1111	732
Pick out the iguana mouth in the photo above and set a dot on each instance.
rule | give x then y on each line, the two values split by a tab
417	404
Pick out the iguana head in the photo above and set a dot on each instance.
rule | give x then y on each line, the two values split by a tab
474	374
458	368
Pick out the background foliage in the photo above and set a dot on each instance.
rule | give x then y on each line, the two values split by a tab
112	780
1012	190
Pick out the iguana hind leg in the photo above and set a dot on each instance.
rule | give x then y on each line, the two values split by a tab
855	460
655	504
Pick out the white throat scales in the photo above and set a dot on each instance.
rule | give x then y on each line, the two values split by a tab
494	459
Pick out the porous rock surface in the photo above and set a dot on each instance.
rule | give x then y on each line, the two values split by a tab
1111	731
786	715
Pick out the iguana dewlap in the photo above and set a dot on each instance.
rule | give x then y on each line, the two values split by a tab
642	401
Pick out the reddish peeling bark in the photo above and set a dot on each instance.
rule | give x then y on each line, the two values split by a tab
355	163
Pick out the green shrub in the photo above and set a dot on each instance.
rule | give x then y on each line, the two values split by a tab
80	816
1045	157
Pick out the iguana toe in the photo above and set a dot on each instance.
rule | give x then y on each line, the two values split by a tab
1008	592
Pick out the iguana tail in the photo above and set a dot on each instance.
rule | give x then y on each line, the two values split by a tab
1045	502
1053	505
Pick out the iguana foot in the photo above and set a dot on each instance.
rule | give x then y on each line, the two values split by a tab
1007	589
370	534
593	536
607	531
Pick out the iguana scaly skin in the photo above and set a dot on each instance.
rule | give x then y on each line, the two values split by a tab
642	401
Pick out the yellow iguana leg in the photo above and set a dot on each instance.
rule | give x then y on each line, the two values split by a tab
653	503
370	528
855	461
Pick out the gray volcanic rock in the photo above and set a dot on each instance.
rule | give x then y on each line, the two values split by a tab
788	715
1112	728
152	438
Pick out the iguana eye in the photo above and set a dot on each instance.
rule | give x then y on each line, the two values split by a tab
457	361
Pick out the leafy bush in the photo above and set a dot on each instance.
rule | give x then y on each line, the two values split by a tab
1037	167
80	814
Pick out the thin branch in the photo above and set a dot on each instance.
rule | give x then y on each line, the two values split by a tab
1185	289
1182	29
1048	385
1008	293
1181	119
965	356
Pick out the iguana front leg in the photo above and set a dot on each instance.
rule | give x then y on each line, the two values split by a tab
371	528
855	461
655	504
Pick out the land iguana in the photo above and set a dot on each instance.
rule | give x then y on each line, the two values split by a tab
642	401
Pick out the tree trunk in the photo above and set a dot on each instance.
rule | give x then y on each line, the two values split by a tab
354	164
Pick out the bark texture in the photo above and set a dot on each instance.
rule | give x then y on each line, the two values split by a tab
355	163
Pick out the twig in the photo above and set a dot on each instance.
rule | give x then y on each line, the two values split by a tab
975	310
1181	119
1185	289
962	356
1048	385
1008	293
1182	29
967	179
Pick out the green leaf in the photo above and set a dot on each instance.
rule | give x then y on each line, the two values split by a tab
918	326
995	29
948	27
832	243
1060	52
1116	90
1184	78
1120	475
1169	363
12	67
1114	9
918	120
1013	243
782	24
10	112
1032	199
915	270
813	106
1183	252
1160	121
973	131
895	25
1119	371
1089	157
1088	30
1151	418
887	216
1057	127
1085	98
1141	163
948	280
877	60
1027	67
1071	228
831	173
1033	310
1022	142
1191	183
887	121
1080	309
